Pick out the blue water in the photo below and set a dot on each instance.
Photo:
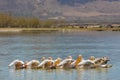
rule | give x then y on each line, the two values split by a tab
28	46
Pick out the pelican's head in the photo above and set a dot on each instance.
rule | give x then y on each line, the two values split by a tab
50	58
106	58
69	57
92	58
59	59
43	58
79	56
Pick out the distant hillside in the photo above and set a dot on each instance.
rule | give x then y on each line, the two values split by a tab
84	10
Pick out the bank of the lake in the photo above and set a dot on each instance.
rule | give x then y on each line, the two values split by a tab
56	29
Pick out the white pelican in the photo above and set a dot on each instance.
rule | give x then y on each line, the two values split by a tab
18	64
66	63
32	64
46	64
77	61
56	62
94	62
85	63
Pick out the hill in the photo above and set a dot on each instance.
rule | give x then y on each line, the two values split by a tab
83	10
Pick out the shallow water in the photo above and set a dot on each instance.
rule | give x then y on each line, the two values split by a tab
28	46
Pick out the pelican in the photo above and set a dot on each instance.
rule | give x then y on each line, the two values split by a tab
105	60
75	63
46	63
18	64
95	63
56	62
101	62
33	64
66	63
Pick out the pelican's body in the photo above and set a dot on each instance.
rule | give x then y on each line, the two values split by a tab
32	64
45	64
86	64
66	63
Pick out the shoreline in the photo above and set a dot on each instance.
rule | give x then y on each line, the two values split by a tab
56	29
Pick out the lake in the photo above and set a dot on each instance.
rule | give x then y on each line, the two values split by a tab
35	45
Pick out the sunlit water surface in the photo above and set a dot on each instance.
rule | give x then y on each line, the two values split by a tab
28	46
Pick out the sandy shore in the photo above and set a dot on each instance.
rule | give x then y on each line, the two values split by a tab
56	29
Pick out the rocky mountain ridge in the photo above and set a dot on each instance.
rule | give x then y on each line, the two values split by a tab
64	9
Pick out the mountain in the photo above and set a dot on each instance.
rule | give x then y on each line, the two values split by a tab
65	9
72	2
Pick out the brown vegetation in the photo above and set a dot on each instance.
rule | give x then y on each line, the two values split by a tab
18	24
9	21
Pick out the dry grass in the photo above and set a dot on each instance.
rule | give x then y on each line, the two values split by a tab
56	29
